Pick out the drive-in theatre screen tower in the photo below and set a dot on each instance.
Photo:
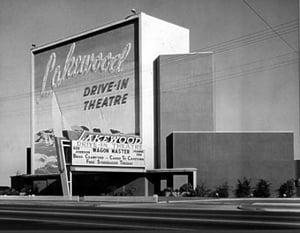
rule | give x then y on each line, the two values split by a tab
126	109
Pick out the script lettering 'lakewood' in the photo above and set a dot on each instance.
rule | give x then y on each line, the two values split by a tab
82	64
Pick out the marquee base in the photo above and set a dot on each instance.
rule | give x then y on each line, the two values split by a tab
93	182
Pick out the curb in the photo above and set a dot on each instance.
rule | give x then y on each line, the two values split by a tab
126	199
115	199
39	198
266	208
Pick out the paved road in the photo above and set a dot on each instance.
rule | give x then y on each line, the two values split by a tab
153	217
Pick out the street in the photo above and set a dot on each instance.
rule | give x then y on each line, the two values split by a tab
163	217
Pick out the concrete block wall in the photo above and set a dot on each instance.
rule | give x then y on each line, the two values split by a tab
184	97
226	157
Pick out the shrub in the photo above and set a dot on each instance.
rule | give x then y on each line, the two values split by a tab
186	188
168	192
243	188
4	191
110	190
202	191
262	189
221	191
129	191
11	191
287	189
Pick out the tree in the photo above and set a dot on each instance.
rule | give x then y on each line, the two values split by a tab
202	191
262	189
222	190
243	188
287	189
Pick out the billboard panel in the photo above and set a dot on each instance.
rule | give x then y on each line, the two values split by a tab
87	83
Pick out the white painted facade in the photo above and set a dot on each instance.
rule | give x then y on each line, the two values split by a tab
157	37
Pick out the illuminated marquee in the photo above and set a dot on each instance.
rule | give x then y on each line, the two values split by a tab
87	83
108	150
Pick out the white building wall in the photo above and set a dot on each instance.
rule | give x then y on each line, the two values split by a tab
157	37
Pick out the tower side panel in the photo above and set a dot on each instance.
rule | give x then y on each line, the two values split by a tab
185	96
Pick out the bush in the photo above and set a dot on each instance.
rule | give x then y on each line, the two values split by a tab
10	191
110	190
129	191
243	188
4	191
221	191
202	191
287	189
262	189
168	192
186	188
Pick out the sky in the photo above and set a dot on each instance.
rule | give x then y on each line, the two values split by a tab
253	38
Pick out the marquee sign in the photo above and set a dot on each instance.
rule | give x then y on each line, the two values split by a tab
86	83
108	150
